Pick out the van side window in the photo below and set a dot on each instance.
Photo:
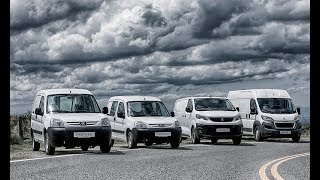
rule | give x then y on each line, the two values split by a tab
41	105
113	108
253	104
189	105
36	103
121	107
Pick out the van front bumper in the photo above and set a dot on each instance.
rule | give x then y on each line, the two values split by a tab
269	130
210	131
144	135
65	136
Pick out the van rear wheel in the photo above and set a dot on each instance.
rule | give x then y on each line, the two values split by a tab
35	145
105	148
296	138
48	148
236	141
194	136
214	140
84	147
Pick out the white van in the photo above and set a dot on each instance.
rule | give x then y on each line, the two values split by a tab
208	118
142	119
69	118
267	113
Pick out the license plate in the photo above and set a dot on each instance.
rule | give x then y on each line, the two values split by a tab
285	132
223	130
162	134
83	134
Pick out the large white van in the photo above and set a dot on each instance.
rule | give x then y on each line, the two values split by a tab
208	118
142	119
69	118
267	113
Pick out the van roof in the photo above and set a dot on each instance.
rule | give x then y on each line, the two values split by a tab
64	91
193	97
134	98
263	93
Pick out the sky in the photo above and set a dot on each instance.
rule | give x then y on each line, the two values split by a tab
164	48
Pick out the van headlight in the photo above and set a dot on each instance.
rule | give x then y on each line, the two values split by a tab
198	116
56	122
176	124
105	122
237	118
266	118
140	124
296	118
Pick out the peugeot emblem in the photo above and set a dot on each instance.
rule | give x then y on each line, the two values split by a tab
222	119
161	125
83	123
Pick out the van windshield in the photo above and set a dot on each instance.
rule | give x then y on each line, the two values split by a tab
147	108
213	104
72	103
276	105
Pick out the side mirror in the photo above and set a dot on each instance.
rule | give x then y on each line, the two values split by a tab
253	111
188	110
298	111
38	111
237	108
172	114
120	114
105	110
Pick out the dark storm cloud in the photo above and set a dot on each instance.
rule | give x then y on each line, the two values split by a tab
26	14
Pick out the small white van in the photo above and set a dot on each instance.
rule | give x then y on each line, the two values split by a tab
208	118
142	119
267	113
69	118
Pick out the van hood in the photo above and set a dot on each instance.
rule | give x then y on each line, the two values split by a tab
155	120
218	113
281	117
78	117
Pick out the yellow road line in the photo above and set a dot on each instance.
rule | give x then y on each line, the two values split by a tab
262	170
274	168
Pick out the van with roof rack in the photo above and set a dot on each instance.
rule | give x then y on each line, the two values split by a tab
211	118
267	113
142	119
68	118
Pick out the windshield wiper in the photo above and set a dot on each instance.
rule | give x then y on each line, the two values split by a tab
60	111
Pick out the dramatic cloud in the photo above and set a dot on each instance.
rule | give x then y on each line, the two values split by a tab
168	49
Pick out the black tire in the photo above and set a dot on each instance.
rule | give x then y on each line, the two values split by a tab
131	141
148	143
35	145
175	144
105	148
194	136
236	141
214	140
296	138
48	148
257	134
84	147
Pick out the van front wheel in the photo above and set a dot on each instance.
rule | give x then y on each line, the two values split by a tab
105	148
48	148
296	138
131	141
194	136
257	134
236	141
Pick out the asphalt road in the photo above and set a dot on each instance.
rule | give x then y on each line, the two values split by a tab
200	161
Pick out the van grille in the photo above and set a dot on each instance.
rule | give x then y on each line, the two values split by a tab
284	125
85	123
221	119
160	125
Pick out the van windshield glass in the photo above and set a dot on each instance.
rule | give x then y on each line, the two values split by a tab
213	104
147	108
276	105
72	103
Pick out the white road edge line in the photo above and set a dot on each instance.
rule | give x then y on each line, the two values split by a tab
262	170
20	160
274	168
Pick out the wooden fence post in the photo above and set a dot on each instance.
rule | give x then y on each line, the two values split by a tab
21	127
